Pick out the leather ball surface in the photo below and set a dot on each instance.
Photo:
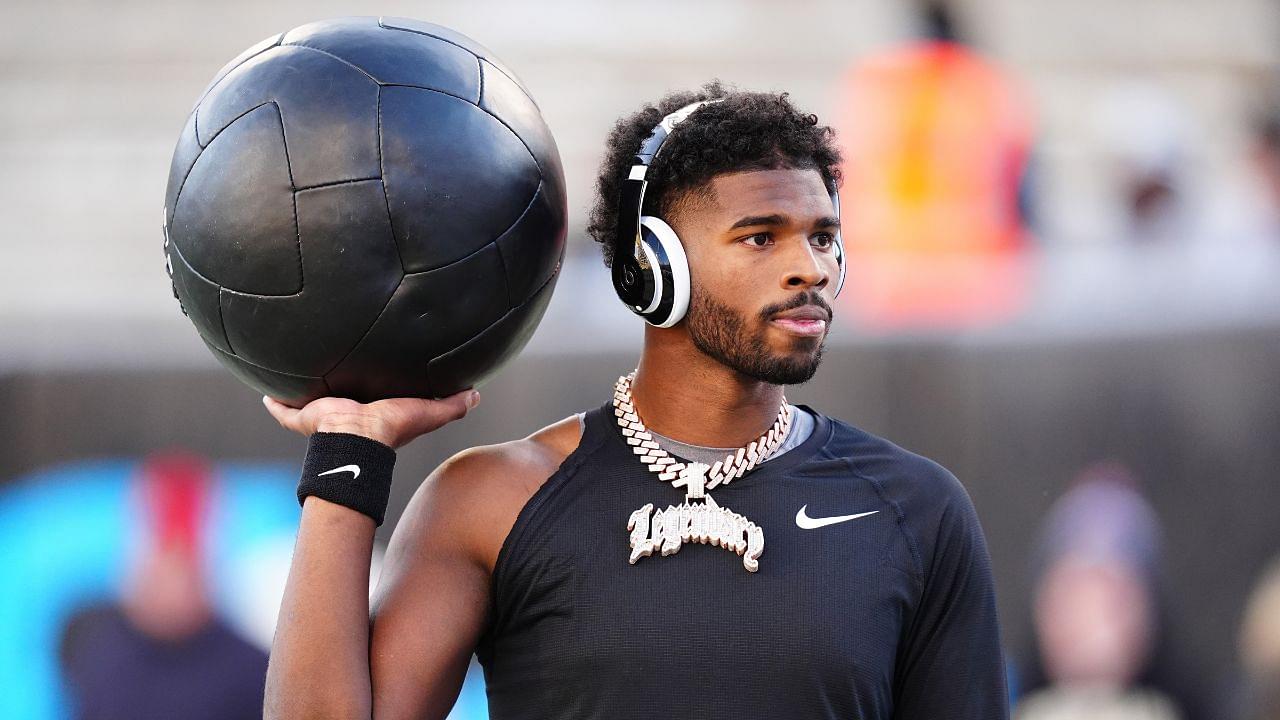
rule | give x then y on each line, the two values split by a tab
365	208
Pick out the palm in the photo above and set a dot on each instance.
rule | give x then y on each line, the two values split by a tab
393	421
331	405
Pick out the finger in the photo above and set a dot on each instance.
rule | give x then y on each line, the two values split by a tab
446	410
283	414
423	416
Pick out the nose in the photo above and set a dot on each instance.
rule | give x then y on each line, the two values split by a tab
806	267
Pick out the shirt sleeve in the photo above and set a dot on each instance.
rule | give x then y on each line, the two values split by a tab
950	663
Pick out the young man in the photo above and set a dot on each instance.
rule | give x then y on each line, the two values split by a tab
615	564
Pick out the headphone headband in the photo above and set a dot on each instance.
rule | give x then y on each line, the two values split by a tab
652	144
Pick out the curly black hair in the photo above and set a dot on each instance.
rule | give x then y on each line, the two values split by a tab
744	131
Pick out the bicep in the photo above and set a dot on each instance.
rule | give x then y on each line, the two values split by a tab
429	608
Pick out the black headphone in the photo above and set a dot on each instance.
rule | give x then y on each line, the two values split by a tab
650	269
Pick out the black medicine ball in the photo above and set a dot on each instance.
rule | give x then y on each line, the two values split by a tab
365	208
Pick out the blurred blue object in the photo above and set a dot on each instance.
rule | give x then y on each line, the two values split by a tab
62	536
66	535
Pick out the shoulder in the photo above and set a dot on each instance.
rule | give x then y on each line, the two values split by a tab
932	505
527	457
514	469
476	495
899	474
88	628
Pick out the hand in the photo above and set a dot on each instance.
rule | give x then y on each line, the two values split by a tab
392	422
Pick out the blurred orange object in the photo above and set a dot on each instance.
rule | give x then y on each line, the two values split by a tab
935	141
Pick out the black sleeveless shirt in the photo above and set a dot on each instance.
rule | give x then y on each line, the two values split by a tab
887	615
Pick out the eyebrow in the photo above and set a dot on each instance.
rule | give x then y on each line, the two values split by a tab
776	219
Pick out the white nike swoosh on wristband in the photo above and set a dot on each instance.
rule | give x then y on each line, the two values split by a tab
353	469
807	523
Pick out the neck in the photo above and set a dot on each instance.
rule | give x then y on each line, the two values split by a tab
684	395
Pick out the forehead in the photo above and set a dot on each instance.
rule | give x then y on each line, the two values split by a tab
799	193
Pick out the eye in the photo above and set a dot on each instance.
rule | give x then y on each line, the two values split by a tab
758	240
824	240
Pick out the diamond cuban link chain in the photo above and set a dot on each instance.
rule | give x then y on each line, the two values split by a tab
707	522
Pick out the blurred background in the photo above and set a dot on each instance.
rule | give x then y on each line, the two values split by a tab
1063	221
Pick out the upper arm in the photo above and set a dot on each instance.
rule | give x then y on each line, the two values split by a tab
950	661
432	598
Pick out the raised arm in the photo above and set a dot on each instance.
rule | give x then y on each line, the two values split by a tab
433	597
320	654
432	600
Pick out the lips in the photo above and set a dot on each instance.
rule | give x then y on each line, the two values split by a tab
807	321
808	312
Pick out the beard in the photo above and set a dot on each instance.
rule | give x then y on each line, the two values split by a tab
722	334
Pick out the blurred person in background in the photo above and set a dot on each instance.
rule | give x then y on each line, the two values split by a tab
1145	131
935	139
160	651
1259	695
1181	242
1265	156
1100	651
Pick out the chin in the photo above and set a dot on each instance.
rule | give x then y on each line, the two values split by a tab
793	368
799	350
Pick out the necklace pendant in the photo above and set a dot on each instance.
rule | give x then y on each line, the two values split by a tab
694	478
666	531
699	518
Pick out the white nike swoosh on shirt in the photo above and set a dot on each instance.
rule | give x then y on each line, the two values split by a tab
808	523
353	469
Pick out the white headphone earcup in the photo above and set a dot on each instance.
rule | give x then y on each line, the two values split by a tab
673	250
843	261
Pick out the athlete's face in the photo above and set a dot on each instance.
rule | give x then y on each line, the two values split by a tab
761	248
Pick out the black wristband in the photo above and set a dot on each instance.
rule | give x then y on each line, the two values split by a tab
349	470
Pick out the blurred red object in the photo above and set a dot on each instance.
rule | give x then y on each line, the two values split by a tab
165	593
175	492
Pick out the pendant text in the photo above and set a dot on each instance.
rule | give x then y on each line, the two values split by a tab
709	524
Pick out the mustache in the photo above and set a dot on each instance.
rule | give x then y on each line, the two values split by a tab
809	297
